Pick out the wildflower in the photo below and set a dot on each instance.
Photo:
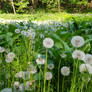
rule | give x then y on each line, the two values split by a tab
86	68
23	32
16	84
63	55
28	85
11	55
40	61
48	43
88	59
77	41
2	49
32	69
77	54
17	31
65	71
48	75
50	66
8	60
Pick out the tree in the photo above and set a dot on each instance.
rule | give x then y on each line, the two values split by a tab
59	5
13	7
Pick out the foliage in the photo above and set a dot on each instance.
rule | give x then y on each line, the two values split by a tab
22	6
27	48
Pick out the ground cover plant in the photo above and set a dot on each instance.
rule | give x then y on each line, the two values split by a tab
42	16
46	56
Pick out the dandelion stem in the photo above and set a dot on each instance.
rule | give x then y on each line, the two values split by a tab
45	69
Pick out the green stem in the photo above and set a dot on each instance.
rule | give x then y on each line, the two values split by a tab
45	71
58	76
49	86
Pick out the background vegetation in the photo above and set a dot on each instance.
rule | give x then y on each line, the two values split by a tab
30	6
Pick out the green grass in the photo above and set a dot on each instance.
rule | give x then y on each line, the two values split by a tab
46	16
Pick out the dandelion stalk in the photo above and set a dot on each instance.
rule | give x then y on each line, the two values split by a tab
45	69
49	86
58	77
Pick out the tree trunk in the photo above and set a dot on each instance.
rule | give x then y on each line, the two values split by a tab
34	3
13	7
59	5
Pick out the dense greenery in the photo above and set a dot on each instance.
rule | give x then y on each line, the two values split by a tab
28	47
41	16
28	6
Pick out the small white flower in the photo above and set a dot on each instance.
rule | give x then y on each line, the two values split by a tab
88	59
50	66
86	67
86	79
23	32
9	60
33	69
48	75
2	49
25	27
16	84
40	61
6	90
77	54
21	74
17	31
65	71
77	41
11	55
48	43
28	85
63	55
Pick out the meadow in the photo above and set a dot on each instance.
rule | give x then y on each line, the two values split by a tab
46	53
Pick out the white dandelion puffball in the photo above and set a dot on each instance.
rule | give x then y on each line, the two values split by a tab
16	84
48	43
63	55
86	79
40	61
65	71
11	55
2	49
77	41
17	31
88	59
23	32
20	74
86	68
28	85
9	60
6	90
33	69
50	66
48	75
77	54
83	67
